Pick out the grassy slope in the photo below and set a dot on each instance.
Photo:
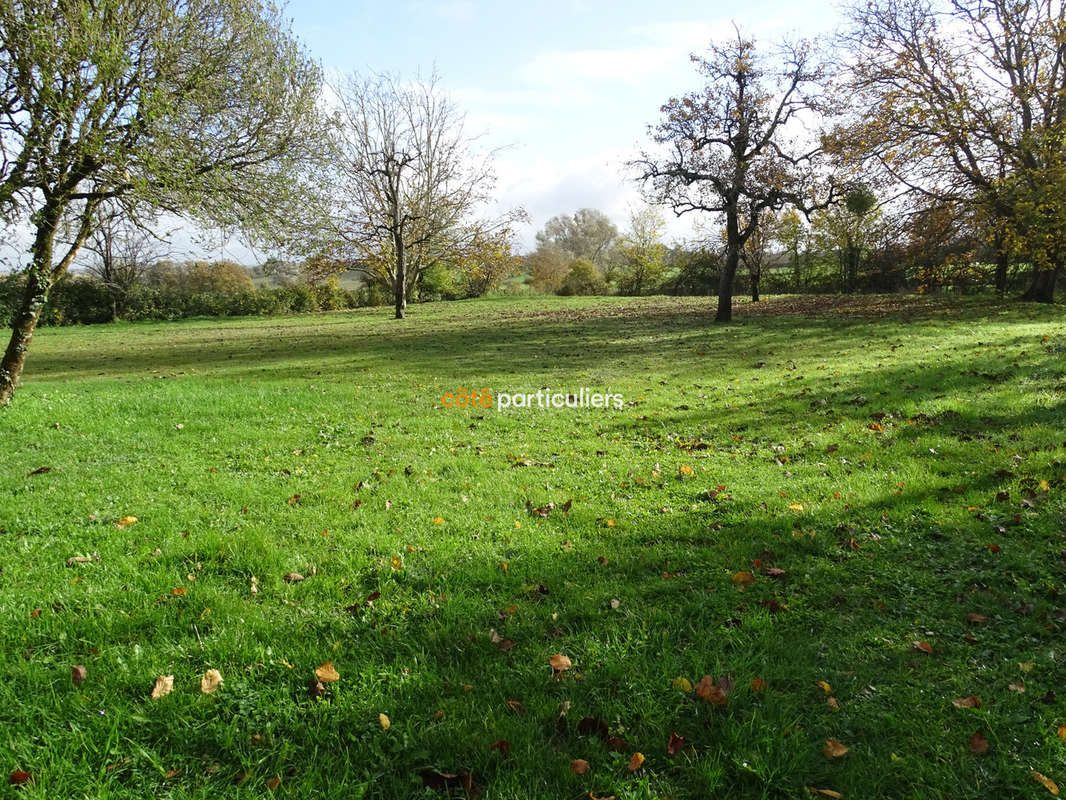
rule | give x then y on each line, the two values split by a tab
204	430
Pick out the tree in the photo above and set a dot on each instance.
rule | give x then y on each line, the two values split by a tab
548	266
962	101
217	276
727	148
641	251
793	235
582	279
409	181
756	250
587	234
848	230
121	253
200	107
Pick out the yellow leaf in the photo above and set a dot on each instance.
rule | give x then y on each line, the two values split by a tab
210	681
438	520
795	507
125	522
1062	732
179	591
385	723
834	749
1026	666
1045	781
610	523
682	684
164	685
397	562
327	673
825	687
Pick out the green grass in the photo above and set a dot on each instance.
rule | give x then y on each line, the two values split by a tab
882	525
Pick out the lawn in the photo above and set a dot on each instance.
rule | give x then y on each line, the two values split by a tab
849	515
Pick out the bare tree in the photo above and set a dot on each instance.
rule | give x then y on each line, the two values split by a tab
409	181
121	253
731	148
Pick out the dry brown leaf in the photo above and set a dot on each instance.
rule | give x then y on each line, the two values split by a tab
827	793
559	662
210	681
327	673
1017	687
179	591
1062	732
924	647
978	743
293	577
758	685
975	617
1045	781
164	685
973	701
274	783
385	722
78	674
20	778
675	744
635	762
711	692
834	749
579	766
516	707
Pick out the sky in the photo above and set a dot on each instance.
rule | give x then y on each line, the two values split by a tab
566	87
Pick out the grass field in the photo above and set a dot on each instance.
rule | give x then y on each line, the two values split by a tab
787	505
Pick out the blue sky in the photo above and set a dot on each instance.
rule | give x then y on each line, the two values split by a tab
567	86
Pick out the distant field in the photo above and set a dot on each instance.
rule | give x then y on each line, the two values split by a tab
849	514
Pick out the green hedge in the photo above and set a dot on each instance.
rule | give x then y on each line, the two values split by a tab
78	300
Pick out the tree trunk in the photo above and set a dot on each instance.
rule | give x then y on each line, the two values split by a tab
755	287
38	281
1042	289
725	285
399	289
1002	267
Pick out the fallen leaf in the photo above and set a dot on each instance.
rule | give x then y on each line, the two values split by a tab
828	793
579	766
125	522
1062	732
294	500
636	762
164	685
1017	687
273	783
559	662
293	577
385	723
397	563
1026	666
825	687
39	471
973	701
82	559
976	618
516	707
758	685
834	749
1045	781
327	673
179	591
743	579
683	684
675	744
36	613
832	702
709	691
20	778
210	681
978	743
795	507
316	689
617	744
78	674
924	647
438	520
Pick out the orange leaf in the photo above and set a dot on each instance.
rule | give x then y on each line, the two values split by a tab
559	662
924	647
759	686
834	749
1062	732
579	766
274	783
636	762
327	673
709	691
179	591
743	579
